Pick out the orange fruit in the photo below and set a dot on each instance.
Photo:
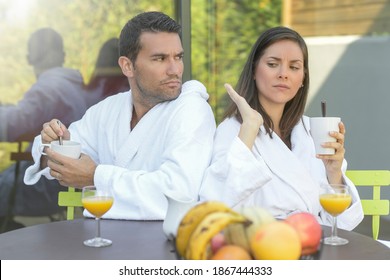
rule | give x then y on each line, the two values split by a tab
276	241
231	252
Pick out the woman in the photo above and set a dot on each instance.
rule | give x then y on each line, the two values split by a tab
263	153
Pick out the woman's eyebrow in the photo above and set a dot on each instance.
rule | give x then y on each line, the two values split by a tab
277	58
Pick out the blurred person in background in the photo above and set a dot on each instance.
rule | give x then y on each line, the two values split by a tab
57	93
107	78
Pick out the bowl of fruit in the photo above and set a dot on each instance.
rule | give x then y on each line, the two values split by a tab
213	231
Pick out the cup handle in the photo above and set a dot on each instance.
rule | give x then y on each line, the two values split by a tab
42	148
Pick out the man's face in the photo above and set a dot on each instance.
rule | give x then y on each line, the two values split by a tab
158	69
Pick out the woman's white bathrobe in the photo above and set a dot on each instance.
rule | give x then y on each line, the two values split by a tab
281	180
166	153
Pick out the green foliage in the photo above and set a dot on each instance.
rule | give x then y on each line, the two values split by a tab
84	24
223	32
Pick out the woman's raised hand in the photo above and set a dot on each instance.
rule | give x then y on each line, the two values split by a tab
251	119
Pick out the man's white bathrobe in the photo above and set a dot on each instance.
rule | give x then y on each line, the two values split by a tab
167	152
281	180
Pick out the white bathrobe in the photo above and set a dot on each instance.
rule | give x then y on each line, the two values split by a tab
167	152
281	180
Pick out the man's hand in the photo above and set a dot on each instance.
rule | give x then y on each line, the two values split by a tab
71	172
53	130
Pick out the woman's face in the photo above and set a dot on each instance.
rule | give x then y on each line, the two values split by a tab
279	73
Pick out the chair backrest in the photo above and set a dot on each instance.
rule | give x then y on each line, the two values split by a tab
20	154
376	206
16	156
70	199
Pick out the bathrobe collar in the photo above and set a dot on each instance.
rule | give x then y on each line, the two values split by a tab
129	143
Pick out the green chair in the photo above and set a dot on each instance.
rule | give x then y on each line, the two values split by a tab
376	206
70	199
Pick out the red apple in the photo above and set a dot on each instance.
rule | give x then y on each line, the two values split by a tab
309	231
217	242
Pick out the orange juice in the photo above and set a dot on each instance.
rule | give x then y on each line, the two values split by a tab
97	205
335	203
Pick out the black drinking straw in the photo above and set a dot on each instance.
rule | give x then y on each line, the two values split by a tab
323	108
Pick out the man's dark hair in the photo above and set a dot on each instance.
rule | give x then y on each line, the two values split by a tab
129	40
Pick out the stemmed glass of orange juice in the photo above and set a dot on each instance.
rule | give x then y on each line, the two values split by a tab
335	199
97	202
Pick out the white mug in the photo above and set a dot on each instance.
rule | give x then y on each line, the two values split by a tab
69	148
319	130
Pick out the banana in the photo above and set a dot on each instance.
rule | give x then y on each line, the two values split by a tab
212	224
191	220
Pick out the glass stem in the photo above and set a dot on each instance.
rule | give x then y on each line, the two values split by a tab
98	228
334	227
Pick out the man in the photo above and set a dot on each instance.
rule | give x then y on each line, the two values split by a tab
151	141
57	93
